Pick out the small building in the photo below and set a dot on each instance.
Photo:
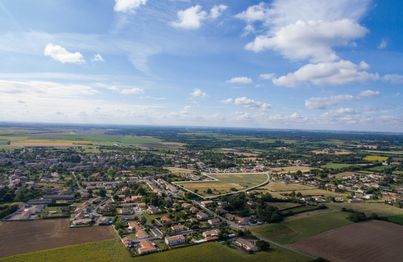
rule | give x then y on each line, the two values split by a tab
186	205
194	210
248	245
153	210
211	233
242	221
201	216
175	240
178	228
146	247
207	203
214	222
165	220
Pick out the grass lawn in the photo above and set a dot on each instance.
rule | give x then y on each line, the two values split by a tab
113	250
295	230
375	158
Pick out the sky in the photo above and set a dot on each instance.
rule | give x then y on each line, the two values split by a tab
288	64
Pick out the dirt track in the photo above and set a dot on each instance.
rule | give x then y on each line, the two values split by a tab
28	236
368	241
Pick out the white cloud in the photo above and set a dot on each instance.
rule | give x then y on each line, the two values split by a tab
328	73
254	13
132	91
344	115
247	102
127	6
98	58
323	102
217	11
198	93
190	18
313	40
383	44
310	30
44	89
60	54
124	90
266	76
240	80
193	17
368	93
393	78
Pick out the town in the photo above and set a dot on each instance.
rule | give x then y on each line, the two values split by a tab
158	197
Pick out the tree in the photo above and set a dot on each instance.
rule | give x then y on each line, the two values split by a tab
102	192
357	217
209	191
263	245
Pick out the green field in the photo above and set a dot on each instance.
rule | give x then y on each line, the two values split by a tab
113	250
375	158
296	230
391	212
338	165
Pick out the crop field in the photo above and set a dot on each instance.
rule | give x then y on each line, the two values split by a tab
277	189
29	236
366	241
296	230
14	139
339	165
378	208
375	158
113	250
291	169
225	183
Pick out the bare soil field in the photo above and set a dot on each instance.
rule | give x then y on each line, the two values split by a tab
367	241
29	236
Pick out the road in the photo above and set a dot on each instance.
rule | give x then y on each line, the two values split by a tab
78	183
237	227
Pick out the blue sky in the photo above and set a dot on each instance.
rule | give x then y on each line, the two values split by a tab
308	64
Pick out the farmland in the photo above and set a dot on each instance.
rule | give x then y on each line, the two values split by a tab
378	208
295	230
34	138
291	169
225	183
112	250
279	189
339	165
22	237
375	158
366	241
